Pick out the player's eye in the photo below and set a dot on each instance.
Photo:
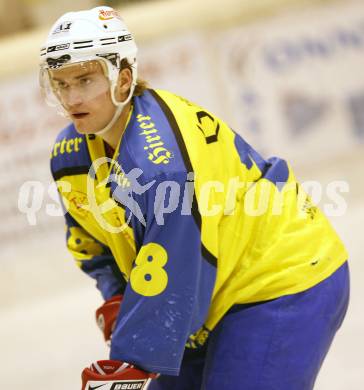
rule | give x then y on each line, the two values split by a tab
85	81
61	85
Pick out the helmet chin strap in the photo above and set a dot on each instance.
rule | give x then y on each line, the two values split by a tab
119	106
116	116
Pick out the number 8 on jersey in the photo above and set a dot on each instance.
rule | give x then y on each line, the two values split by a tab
148	277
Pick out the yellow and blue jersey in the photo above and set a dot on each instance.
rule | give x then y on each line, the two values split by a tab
187	221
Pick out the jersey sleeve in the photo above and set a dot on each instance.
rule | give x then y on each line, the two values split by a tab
170	286
94	258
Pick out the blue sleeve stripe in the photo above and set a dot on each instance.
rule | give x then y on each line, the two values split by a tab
209	257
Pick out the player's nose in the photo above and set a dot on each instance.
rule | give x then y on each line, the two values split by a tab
73	98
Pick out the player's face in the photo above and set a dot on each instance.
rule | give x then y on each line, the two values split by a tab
84	92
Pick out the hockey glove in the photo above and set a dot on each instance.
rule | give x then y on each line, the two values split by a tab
106	315
115	375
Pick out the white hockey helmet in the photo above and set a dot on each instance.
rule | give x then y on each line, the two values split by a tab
79	37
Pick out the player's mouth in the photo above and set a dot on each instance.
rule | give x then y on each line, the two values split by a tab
80	115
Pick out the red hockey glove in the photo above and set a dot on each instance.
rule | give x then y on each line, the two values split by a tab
106	315
115	375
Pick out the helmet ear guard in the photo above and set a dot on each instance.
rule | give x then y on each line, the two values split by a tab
111	64
97	34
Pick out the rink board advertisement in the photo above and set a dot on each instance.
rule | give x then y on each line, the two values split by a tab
288	84
292	82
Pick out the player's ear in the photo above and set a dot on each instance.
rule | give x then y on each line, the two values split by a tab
123	84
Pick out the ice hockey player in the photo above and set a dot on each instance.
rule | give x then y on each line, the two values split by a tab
216	269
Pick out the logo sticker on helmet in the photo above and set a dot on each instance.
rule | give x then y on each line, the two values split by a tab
55	63
108	14
63	27
124	38
63	46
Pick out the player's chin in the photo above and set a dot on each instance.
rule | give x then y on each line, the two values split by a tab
83	127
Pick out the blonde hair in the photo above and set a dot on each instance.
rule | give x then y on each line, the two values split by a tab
141	84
